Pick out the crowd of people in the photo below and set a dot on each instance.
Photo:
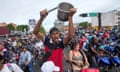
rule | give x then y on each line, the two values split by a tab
23	51
87	46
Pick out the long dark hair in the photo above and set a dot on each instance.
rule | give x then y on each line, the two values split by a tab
74	44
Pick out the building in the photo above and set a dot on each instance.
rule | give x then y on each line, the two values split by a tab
59	24
4	31
3	24
110	18
66	28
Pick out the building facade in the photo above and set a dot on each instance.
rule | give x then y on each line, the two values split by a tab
59	24
110	18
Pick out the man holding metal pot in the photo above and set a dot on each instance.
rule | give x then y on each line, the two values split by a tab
54	45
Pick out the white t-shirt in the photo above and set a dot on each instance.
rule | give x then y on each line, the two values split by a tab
15	67
39	45
14	43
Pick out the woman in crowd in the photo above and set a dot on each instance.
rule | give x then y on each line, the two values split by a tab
77	58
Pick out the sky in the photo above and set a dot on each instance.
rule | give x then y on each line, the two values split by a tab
20	11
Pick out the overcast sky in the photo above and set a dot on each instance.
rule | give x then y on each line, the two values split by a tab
20	11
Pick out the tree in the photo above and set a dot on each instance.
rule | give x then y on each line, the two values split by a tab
10	27
42	30
23	28
26	28
18	28
84	24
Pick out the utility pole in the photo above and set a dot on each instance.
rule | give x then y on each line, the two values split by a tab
99	21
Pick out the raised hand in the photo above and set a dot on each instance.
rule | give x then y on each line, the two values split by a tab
43	13
72	11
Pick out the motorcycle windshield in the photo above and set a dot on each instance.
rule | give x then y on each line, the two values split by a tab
106	60
116	60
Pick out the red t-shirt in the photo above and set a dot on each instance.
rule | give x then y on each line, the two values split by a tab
106	35
81	41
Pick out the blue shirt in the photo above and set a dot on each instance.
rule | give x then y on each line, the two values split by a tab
25	56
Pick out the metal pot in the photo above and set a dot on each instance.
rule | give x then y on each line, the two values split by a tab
63	11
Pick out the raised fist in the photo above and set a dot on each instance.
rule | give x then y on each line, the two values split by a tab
44	13
72	11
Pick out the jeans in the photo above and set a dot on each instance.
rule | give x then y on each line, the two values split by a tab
94	63
92	60
30	67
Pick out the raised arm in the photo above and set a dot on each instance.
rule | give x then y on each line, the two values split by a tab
71	27
43	14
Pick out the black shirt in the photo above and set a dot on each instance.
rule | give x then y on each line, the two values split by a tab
95	46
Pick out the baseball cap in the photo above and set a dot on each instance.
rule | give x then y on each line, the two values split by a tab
49	66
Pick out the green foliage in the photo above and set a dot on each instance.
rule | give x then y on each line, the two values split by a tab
18	28
10	27
84	24
42	30
23	28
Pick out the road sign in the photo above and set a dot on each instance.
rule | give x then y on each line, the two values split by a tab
92	14
31	21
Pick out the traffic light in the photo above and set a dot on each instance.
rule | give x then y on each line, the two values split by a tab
84	15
